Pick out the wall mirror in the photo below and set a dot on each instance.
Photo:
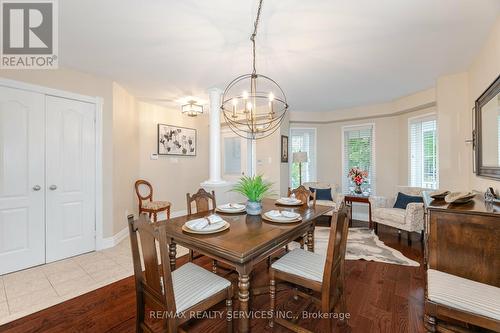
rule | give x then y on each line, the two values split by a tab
487	117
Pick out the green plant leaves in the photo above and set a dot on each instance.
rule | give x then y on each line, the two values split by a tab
253	188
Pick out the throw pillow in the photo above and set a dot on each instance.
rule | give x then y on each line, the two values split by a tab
403	200
322	193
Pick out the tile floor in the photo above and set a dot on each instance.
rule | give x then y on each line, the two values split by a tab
37	288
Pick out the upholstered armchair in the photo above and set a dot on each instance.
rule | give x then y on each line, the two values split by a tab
337	198
410	219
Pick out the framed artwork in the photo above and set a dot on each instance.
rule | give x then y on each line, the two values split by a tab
175	140
284	149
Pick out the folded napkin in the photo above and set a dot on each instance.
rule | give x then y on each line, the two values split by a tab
232	206
287	199
210	222
284	213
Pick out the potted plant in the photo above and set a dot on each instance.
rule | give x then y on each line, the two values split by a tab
358	177
254	189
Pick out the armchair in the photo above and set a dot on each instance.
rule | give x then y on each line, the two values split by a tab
337	198
410	219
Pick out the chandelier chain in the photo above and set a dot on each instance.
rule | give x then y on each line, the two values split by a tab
254	34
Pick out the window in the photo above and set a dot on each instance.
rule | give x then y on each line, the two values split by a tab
359	151
303	139
423	152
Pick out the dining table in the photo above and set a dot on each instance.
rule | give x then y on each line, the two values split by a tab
249	240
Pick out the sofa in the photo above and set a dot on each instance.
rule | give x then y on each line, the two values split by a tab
410	219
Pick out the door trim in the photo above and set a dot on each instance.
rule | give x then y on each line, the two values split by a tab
100	243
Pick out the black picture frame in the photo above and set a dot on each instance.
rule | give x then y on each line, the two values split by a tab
170	144
481	170
284	149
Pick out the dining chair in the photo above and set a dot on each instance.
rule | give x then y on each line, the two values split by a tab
323	275
188	290
146	203
306	196
201	200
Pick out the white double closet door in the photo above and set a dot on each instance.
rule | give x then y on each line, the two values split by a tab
47	178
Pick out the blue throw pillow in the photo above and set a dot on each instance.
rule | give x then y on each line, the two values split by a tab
322	193
403	200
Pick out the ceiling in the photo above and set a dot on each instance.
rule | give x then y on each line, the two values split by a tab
326	54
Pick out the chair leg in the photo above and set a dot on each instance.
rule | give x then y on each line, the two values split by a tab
168	213
214	266
229	314
191	255
399	235
422	236
272	302
155	217
302	243
140	311
429	323
409	237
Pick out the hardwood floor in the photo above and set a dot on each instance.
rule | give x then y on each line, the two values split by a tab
380	298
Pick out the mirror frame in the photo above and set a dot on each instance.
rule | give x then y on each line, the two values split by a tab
486	96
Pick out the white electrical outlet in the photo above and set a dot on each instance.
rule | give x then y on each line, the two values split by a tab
154	156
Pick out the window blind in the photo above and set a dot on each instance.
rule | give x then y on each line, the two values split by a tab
423	152
302	139
359	151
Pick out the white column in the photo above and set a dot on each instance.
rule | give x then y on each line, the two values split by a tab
215	95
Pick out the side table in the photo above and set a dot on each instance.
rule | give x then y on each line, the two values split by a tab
350	198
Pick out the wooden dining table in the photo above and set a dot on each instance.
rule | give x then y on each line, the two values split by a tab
248	241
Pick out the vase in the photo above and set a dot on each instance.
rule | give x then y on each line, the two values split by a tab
358	189
254	207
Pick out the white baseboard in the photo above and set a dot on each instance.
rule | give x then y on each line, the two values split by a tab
106	243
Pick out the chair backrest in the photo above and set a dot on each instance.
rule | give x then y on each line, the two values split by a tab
155	282
333	275
201	200
148	196
303	194
409	190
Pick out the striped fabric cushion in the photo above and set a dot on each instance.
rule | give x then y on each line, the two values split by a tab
193	284
463	294
302	263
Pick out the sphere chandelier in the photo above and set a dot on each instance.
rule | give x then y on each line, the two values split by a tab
254	105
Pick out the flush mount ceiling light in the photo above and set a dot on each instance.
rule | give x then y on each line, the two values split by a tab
192	109
254	105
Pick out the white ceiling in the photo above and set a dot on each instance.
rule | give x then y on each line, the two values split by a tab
326	54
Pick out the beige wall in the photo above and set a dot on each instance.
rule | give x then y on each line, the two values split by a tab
483	71
171	176
390	121
125	156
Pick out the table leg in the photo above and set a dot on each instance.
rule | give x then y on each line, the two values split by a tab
310	240
172	254
243	297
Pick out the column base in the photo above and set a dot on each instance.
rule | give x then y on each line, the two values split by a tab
223	193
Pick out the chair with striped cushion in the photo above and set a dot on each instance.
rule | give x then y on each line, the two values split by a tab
178	294
323	275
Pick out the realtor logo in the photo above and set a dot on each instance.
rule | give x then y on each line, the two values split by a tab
29	34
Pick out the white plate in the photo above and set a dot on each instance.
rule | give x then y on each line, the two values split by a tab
210	227
227	209
204	232
295	202
293	216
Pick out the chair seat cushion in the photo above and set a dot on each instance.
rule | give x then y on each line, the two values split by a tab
193	284
463	294
327	203
155	204
302	263
393	214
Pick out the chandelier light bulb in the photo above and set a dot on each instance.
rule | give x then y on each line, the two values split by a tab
271	97
235	102
245	95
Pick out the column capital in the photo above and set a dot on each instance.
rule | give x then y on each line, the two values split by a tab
215	90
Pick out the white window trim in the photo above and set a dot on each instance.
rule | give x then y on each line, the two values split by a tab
345	183
290	154
423	117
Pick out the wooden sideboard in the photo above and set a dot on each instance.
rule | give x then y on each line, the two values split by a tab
464	240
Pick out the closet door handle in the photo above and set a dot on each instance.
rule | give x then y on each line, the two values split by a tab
53	187
36	188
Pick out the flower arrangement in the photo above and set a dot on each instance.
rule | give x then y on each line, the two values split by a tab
358	177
